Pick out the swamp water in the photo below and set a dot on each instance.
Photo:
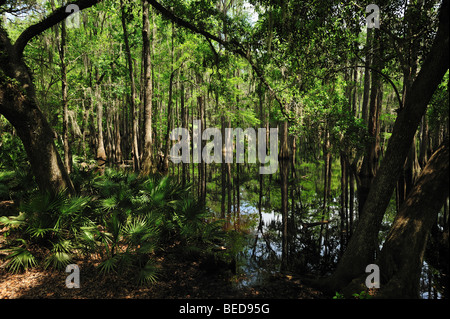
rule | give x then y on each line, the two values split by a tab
258	250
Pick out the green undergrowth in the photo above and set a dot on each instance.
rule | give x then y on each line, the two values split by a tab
121	217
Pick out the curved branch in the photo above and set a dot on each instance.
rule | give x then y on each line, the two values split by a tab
231	46
55	17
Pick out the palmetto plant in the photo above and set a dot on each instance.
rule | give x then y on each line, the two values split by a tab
51	221
20	257
124	220
130	244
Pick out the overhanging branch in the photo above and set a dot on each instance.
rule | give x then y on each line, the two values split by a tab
231	46
55	17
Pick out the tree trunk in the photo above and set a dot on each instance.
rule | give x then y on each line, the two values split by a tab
184	120
18	105
134	117
284	172
165	167
363	243
202	164
101	153
351	208
118	139
148	92
343	211
407	177
409	66
222	167
367	63
424	145
326	183
401	258
229	182
65	130
370	162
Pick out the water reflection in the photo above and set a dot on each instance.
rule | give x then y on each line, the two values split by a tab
260	253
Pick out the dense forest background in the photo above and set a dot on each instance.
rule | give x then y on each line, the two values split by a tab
88	103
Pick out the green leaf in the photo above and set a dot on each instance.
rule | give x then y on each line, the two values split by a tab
58	260
13	221
148	274
109	265
19	259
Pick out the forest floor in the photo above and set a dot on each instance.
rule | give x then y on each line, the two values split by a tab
178	278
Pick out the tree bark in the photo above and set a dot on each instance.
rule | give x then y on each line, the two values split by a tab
165	166
223	172
134	117
401	258
18	105
367	63
362	245
100	153
284	172
424	145
409	67
184	120
65	129
148	92
370	162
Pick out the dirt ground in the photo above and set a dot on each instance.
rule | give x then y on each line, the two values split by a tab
177	279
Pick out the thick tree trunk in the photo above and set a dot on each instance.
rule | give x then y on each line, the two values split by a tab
38	139
18	105
362	245
401	258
